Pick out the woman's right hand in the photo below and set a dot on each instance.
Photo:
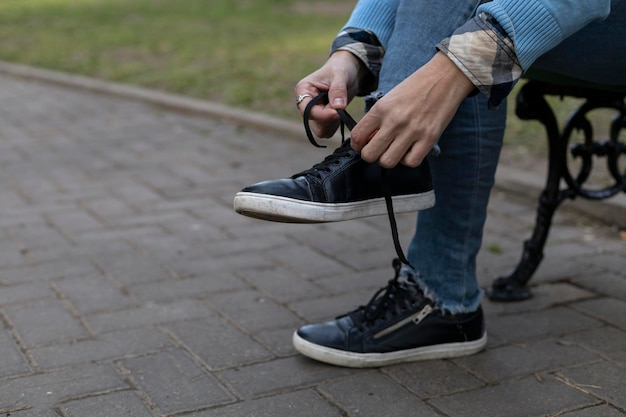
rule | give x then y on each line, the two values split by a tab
339	76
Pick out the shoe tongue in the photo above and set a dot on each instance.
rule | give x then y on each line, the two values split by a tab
405	293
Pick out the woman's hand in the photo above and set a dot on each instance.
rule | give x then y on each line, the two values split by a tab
406	123
339	76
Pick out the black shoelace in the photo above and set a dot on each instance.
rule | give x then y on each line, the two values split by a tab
346	151
392	300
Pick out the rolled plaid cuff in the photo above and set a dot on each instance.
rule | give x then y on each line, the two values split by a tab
366	47
486	55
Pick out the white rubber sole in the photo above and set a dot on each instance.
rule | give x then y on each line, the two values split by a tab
289	210
370	360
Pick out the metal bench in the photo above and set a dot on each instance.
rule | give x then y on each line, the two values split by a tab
564	181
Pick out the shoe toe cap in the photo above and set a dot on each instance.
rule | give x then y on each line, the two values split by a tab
297	188
333	334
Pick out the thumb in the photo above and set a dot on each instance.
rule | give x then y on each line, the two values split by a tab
338	95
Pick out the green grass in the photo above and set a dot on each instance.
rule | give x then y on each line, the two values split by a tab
242	53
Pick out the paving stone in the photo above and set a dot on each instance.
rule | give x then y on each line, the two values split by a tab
45	391
118	404
165	247
544	296
525	359
132	268
372	279
36	235
193	230
371	248
602	410
93	292
254	311
280	284
44	321
136	194
603	340
108	346
208	265
618	357
171	290
61	267
430	379
148	315
12	361
75	221
607	309
108	209
612	261
175	383
373	394
14	294
611	284
218	343
118	215
529	397
11	255
520	328
243	246
280	375
278	340
572	271
311	263
322	309
605	380
34	413
293	404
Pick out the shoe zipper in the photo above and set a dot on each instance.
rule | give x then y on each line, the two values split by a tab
415	318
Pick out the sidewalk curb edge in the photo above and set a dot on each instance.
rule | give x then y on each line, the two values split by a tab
610	211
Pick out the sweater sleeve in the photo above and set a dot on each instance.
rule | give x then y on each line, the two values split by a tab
506	37
366	47
536	26
375	16
486	55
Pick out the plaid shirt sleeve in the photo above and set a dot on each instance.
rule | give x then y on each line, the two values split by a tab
486	55
365	46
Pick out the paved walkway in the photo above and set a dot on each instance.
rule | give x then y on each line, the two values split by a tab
129	287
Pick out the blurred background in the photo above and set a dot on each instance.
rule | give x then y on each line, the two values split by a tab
243	53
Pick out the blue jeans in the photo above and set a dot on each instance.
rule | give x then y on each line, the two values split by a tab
449	235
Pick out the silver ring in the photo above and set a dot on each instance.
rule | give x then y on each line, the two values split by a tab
300	98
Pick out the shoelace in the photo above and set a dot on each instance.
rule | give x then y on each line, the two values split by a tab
393	300
342	151
379	303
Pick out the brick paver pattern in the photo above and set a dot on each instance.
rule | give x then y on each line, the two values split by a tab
129	287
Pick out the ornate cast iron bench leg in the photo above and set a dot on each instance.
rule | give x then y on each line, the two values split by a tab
531	105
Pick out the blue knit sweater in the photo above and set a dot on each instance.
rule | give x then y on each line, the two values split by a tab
535	26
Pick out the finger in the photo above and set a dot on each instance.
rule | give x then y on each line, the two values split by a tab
415	156
338	94
394	153
365	131
303	97
325	130
376	146
323	120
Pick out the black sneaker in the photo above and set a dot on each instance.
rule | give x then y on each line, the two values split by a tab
399	324
341	187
